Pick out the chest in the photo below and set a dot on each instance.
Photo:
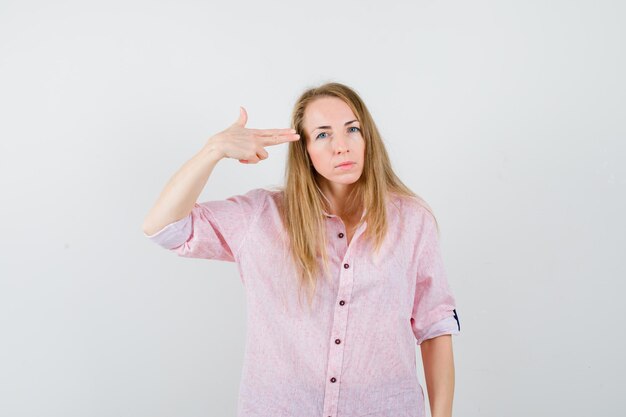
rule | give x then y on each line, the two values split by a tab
350	228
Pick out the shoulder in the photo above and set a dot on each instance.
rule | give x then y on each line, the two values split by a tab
414	213
273	192
262	193
269	195
409	206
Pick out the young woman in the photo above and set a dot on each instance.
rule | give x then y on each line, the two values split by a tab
344	226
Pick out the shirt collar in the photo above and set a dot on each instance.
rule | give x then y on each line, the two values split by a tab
334	215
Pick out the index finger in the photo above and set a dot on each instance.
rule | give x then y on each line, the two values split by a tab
272	132
278	139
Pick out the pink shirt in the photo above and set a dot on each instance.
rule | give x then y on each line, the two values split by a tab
354	353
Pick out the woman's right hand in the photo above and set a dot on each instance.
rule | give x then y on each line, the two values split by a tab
247	145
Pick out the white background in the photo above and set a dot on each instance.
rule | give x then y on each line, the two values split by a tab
506	116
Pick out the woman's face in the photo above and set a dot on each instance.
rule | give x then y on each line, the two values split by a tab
334	137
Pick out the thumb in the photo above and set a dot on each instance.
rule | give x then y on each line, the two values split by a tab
243	117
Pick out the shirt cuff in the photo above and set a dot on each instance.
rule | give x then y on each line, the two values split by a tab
448	325
174	234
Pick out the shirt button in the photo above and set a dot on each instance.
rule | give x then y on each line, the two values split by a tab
346	266
333	379
340	235
341	302
337	341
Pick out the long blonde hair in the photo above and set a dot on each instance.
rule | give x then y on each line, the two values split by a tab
303	200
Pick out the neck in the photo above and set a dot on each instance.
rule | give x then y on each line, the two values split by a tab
337	196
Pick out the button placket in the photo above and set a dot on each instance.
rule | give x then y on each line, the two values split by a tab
335	360
338	332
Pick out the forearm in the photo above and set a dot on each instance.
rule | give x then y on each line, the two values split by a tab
438	360
182	190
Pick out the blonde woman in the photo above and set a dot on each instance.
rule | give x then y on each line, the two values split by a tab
347	230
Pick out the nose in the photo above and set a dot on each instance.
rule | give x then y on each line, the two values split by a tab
341	144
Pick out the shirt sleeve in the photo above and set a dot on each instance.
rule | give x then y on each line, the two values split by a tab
213	229
434	307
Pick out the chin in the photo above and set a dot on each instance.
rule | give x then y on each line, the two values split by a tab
346	179
341	179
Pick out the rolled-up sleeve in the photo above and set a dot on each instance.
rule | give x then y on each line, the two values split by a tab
213	229
434	307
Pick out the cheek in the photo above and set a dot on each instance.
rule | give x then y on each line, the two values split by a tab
362	150
317	161
315	155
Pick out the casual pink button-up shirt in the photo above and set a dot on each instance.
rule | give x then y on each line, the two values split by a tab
353	354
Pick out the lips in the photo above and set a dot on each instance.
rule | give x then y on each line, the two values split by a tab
345	163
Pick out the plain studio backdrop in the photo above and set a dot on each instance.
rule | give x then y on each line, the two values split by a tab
508	117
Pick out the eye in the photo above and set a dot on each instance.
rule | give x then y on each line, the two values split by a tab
351	127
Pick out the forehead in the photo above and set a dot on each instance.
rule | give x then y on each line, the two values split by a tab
327	111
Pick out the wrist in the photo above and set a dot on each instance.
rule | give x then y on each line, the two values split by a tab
212	150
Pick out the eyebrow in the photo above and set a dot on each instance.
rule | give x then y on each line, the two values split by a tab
328	127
